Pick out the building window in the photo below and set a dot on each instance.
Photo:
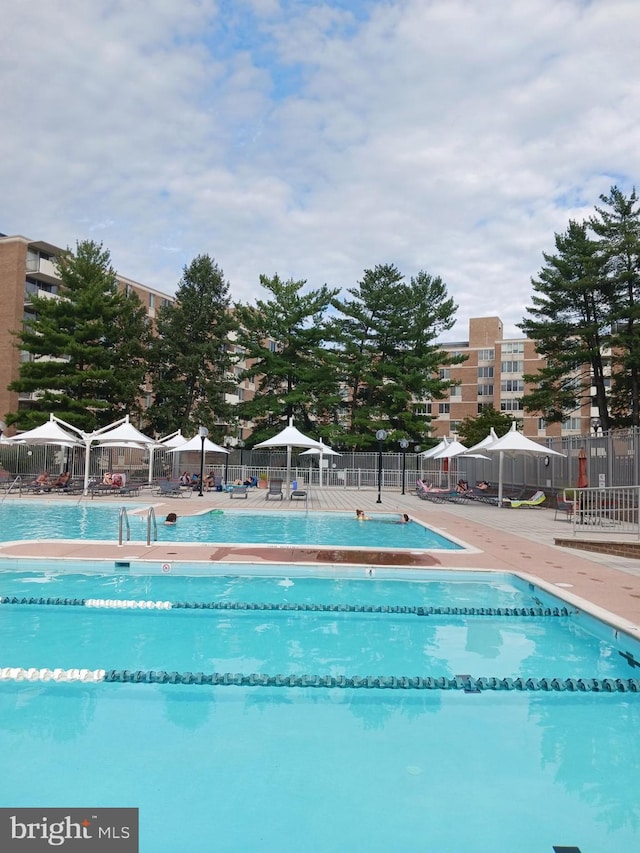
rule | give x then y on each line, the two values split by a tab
486	354
572	424
485	373
514	405
485	390
444	373
542	424
512	366
421	409
443	408
482	407
510	385
455	392
513	347
454	426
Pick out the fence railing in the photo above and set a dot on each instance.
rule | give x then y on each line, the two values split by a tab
613	509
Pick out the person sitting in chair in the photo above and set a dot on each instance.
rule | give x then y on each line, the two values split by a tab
462	487
61	481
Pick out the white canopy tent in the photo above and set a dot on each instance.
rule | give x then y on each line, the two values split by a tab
121	433
514	443
321	452
290	437
195	443
48	433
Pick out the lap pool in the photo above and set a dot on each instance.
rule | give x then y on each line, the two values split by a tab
457	712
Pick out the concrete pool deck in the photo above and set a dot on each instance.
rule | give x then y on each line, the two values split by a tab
510	540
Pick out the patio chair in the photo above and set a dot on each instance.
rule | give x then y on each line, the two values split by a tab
565	505
535	500
275	490
238	492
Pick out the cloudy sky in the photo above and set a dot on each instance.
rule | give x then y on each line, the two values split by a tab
318	139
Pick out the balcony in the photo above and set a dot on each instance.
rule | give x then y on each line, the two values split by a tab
42	269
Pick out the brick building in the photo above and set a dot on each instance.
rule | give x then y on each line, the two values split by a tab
493	374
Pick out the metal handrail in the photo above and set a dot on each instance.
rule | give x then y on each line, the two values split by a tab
123	517
17	480
611	508
151	516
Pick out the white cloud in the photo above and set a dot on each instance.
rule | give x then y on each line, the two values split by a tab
318	139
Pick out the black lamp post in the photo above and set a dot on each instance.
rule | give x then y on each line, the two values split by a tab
417	450
226	463
240	445
403	445
380	436
203	432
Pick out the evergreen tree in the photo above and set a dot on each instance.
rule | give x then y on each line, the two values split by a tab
389	359
569	320
87	348
193	355
285	343
617	227
473	430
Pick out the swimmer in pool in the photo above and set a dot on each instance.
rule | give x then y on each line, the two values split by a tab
171	519
360	516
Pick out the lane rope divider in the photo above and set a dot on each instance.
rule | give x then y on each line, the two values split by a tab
370	682
128	604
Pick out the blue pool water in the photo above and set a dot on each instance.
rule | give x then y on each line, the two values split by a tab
274	769
64	521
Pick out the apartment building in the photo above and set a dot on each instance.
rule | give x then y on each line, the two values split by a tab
492	374
26	268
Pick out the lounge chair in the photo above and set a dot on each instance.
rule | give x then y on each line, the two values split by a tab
535	500
299	494
238	491
491	497
174	489
275	490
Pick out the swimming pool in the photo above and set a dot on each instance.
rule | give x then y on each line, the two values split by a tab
373	767
73	521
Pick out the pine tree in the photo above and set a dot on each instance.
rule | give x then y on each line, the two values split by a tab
389	359
87	347
286	344
192	355
617	227
570	322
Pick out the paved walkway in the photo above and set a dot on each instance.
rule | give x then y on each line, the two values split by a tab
511	540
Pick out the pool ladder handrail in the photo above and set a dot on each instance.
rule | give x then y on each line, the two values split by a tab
16	481
151	517
123	518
